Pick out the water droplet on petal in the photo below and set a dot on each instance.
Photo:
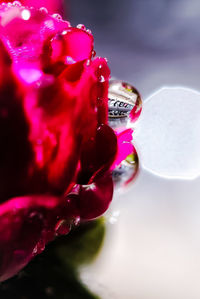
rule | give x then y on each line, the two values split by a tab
93	53
43	10
126	171
62	227
102	79
76	221
81	26
17	3
34	251
34	215
57	16
124	103
64	32
39	248
88	62
89	31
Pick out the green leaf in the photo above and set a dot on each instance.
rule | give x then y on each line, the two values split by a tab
82	246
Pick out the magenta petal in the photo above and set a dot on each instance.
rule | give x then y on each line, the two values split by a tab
95	198
67	46
15	149
33	27
27	224
94	156
53	131
23	222
125	147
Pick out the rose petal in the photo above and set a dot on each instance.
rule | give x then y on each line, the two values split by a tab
94	198
94	156
22	222
53	132
124	145
71	46
33	27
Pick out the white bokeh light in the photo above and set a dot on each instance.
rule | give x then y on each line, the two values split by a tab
168	133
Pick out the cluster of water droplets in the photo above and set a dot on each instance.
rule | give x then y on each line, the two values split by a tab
81	26
18	4
124	108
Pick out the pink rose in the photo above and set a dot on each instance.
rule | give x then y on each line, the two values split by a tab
56	146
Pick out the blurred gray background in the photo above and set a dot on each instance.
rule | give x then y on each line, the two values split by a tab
149	43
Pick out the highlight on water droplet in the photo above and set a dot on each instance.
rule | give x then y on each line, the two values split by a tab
35	215
43	10
102	79
93	53
26	14
57	16
39	248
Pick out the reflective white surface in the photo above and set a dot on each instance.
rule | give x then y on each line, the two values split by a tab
152	245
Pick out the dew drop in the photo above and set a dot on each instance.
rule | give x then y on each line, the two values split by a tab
64	32
34	251
57	16
88	62
81	26
76	221
124	174
62	227
93	53
124	103
17	4
89	31
39	248
102	79
35	215
43	10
